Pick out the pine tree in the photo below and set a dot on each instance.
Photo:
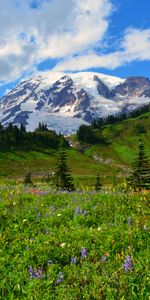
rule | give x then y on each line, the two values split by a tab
98	184
140	177
62	178
27	179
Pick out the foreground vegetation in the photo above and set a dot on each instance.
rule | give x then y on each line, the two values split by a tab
72	246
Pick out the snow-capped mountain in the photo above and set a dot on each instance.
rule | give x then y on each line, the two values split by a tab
65	101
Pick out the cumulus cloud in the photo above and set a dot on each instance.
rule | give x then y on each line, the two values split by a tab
31	31
135	45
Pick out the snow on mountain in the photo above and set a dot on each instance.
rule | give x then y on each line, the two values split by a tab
65	101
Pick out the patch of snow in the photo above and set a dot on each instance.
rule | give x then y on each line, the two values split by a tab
61	124
29	105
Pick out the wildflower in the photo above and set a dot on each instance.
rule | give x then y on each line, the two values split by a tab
73	260
77	210
31	272
52	209
99	228
60	277
129	221
38	215
83	252
35	273
49	262
32	239
63	245
46	215
103	258
39	273
128	265
47	231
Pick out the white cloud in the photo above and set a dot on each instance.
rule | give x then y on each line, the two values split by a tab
64	29
55	29
135	46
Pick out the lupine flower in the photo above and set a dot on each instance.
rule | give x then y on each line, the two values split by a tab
47	231
52	209
73	260
35	273
46	215
77	210
60	277
31	272
83	252
128	265
38	215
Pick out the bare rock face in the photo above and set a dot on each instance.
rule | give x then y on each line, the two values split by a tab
103	90
65	101
133	86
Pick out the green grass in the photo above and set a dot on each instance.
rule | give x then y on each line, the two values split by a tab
44	230
14	165
123	141
112	160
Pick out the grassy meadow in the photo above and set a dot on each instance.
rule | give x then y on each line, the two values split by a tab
72	246
78	245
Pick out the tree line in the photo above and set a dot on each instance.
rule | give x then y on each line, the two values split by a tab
90	135
13	137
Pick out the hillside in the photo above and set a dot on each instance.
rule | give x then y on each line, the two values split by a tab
111	159
123	139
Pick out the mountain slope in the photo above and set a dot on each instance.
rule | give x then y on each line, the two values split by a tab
64	101
123	138
111	160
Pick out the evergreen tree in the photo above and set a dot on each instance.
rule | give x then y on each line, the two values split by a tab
140	177
62	178
98	184
27	179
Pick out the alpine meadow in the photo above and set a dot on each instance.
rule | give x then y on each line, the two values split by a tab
74	150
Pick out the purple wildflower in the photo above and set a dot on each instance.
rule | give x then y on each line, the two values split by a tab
35	273
83	252
60	277
31	272
47	231
128	265
52	208
77	211
73	260
38	215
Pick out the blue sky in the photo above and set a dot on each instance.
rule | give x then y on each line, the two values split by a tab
107	36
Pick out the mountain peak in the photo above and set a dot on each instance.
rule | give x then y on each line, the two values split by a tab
66	100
